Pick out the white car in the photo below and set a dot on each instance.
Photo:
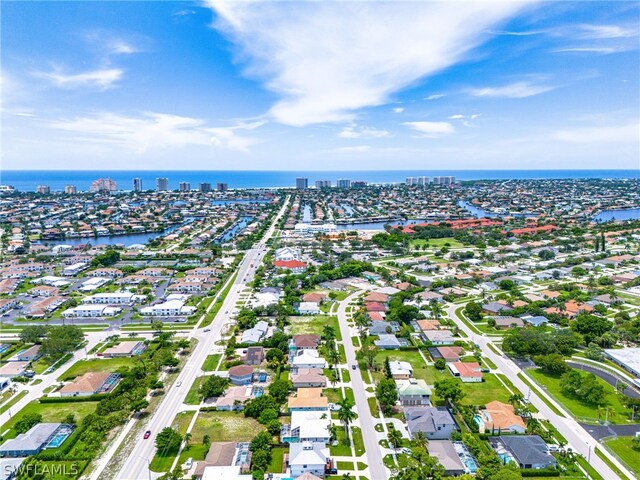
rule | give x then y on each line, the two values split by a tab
178	383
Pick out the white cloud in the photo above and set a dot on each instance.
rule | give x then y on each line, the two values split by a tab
101	78
398	110
354	149
456	117
629	132
514	90
607	31
435	96
327	60
353	131
431	129
154	131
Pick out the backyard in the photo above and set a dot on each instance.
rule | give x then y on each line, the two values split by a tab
314	325
95	365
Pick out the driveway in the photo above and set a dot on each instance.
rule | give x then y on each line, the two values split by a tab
607	377
602	431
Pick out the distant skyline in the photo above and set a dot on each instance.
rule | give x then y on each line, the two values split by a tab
320	85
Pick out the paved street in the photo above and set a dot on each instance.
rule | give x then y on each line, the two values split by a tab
577	437
377	470
136	466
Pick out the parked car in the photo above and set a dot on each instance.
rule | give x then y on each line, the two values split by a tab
353	367
147	434
178	383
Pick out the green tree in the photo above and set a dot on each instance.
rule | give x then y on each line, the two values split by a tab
553	363
395	438
473	311
168	440
280	389
346	414
386	394
213	386
27	421
440	363
33	333
449	389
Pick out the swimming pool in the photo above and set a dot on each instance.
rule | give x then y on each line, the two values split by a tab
465	457
60	435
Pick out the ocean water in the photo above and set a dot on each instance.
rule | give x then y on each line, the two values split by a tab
28	180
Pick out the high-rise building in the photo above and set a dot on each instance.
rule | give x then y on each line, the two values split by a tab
302	183
70	189
184	186
417	181
358	184
137	184
222	187
162	184
204	187
323	184
343	183
43	189
103	185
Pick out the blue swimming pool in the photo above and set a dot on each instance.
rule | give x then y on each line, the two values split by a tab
60	435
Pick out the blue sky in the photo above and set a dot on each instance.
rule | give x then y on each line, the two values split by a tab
320	85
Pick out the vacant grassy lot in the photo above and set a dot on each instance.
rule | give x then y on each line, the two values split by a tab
436	243
211	362
300	325
277	459
51	412
622	447
96	365
617	412
225	427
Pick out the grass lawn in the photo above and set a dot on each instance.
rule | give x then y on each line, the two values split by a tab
193	451
485	392
420	368
96	365
373	407
225	427
345	465
314	325
182	420
334	395
192	397
211	362
358	442
621	446
436	242
51	413
277	459
15	399
343	449
617	413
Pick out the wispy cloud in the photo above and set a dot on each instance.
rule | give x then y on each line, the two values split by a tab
628	132
431	129
435	96
367	51
521	89
598	39
398	110
354	131
154	131
100	78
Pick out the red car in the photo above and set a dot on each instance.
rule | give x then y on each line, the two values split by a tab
147	434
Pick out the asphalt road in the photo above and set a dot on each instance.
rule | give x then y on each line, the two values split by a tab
136	465
607	377
578	438
377	470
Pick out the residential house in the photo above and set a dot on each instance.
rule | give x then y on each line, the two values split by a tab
450	354
241	375
308	458
34	440
447	456
308	377
254	356
307	358
412	392
468	372
527	451
309	308
439	337
255	334
90	383
400	370
437	423
387	342
507	322
498	417
307	399
307	426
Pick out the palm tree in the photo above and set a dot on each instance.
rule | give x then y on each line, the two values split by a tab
436	309
333	356
346	414
395	438
515	399
420	439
